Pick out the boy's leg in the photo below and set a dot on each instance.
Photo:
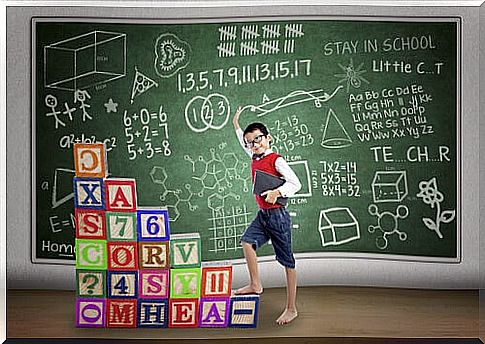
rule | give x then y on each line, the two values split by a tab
290	311
254	286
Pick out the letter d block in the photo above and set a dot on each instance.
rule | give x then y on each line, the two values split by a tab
153	255
216	281
214	312
90	312
183	312
90	224
91	254
185	250
120	194
153	313
89	193
185	283
90	160
121	313
244	311
122	256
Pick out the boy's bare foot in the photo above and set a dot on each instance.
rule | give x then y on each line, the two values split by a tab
249	290
286	317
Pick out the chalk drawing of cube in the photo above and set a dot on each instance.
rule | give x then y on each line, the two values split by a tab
86	60
338	226
389	186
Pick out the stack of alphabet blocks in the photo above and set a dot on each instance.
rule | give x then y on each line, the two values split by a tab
130	272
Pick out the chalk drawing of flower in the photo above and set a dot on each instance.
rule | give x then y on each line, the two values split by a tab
431	196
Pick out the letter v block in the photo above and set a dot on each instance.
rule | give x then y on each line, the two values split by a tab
244	311
185	250
185	283
89	193
183	312
121	313
90	224
214	312
90	160
152	224
90	312
216	281
120	194
91	254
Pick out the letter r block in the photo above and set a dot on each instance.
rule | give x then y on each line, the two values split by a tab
153	284
90	312
244	311
120	195
89	193
185	283
185	250
91	254
153	255
183	312
122	256
90	160
121	313
214	312
90	224
216	281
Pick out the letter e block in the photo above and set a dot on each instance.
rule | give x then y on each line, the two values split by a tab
90	312
183	312
185	250
214	312
152	224
122	256
153	284
185	283
122	284
121	313
91	254
88	193
91	283
216	281
153	313
120	194
90	224
244	311
153	255
90	160
121	226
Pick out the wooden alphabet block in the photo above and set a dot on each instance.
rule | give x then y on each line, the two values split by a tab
214	312
90	312
122	255
153	284
89	193
153	255
90	224
244	311
91	283
120	194
183	312
121	226
185	283
122	284
90	160
91	254
152	224
185	250
153	313
216	281
121	313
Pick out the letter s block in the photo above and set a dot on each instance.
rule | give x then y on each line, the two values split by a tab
122	256
216	281
152	224
90	160
183	312
120	194
90	312
214	312
91	254
244	311
90	224
185	250
153	284
121	313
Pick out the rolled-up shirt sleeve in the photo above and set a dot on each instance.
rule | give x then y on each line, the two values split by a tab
292	184
240	137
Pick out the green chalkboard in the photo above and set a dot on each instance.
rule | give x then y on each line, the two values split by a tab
367	113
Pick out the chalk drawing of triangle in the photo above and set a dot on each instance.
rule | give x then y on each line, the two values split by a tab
141	84
63	189
334	134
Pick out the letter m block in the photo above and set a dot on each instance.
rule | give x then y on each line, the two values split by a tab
90	160
121	313
120	194
216	281
185	250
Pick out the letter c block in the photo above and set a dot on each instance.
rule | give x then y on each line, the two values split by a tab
91	254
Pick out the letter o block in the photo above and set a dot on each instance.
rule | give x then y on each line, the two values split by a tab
90	312
122	256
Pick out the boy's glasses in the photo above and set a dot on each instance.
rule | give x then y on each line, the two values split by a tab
257	139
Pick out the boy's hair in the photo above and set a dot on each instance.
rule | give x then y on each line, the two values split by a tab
256	126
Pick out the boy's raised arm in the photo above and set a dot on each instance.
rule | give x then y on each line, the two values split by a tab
239	131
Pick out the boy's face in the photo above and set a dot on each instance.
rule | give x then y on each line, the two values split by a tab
257	141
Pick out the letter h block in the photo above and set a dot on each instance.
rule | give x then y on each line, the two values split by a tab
90	160
244	311
185	250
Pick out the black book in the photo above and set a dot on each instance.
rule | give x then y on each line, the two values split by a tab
264	181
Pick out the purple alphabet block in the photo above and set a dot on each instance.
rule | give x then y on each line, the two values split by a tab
214	312
90	312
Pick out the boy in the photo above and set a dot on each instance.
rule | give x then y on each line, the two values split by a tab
272	220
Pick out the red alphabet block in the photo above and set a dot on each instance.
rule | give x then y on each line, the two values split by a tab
121	313
122	256
183	313
90	224
216	281
120	194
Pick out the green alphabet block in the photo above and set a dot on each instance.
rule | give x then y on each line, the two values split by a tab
91	254
185	250
185	283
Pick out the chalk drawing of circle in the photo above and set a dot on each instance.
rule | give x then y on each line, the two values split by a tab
388	222
218	114
194	113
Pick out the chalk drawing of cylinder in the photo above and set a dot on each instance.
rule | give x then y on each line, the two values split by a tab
86	60
389	186
337	226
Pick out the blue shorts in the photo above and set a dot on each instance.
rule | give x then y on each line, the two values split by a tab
274	224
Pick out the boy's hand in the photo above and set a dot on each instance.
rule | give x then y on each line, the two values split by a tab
271	196
235	120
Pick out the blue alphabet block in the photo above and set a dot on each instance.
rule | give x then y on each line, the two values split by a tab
89	193
152	224
153	313
244	311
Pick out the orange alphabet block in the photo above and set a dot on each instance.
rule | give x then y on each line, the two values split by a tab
90	160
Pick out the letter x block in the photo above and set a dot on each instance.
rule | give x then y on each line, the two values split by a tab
153	313
216	281
185	283
214	312
121	226
90	160
90	224
91	283
183	312
89	193
121	313
91	254
90	312
185	250
120	194
244	311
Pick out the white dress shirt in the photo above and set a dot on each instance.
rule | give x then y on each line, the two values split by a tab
292	184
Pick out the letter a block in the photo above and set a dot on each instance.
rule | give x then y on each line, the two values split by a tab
185	250
121	226
121	313
153	313
153	284
90	312
244	311
88	193
183	312
91	283
153	255
122	256
185	283
120	195
216	281
90	224
152	224
214	312
90	160
91	254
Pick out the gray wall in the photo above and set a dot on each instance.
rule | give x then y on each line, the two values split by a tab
21	273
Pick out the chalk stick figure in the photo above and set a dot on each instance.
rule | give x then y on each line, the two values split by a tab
51	102
82	96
